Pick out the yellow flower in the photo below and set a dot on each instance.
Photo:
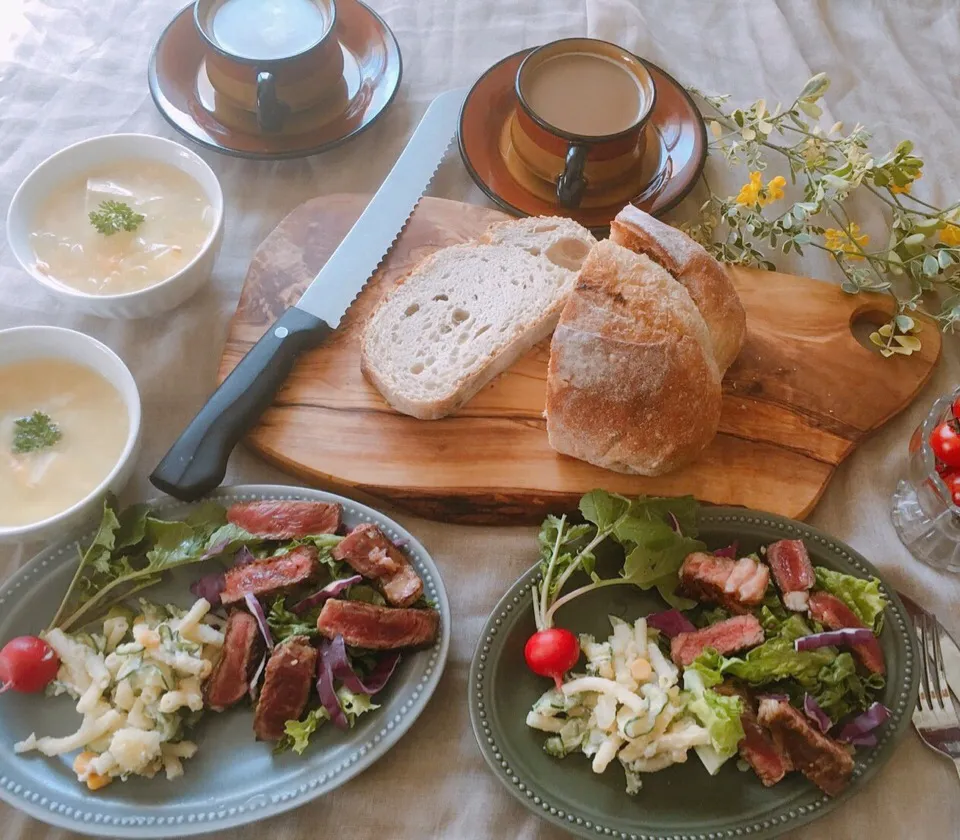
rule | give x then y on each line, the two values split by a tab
754	192
950	235
846	240
894	188
775	188
750	192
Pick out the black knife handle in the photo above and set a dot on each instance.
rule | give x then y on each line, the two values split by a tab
197	462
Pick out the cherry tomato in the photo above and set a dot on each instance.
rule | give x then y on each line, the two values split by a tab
945	442
27	664
955	408
952	480
551	653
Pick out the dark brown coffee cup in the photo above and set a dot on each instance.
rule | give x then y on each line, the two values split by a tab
274	87
589	156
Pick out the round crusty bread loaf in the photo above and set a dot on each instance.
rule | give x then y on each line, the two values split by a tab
704	278
633	385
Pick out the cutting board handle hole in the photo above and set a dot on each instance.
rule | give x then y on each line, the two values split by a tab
865	321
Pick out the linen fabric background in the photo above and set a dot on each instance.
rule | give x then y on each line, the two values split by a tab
71	69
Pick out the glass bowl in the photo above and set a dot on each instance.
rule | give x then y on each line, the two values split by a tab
924	515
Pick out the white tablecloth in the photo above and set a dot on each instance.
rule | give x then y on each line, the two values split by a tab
72	69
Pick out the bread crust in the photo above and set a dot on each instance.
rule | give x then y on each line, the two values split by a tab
705	279
632	384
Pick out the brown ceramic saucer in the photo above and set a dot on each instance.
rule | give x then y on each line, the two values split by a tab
183	93
675	152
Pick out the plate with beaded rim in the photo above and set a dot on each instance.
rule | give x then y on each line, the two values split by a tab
681	802
232	780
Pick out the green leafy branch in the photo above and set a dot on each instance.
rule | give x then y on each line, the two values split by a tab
921	253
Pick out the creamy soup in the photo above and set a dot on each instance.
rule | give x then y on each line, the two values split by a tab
70	426
583	93
177	219
267	29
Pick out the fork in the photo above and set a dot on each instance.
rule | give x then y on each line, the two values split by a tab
935	717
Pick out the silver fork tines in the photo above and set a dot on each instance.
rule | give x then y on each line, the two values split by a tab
935	717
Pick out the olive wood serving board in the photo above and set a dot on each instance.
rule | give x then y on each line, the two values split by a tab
801	396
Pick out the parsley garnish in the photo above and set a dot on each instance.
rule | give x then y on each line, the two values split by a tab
112	216
35	432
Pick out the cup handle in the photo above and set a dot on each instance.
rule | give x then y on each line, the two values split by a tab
572	184
271	112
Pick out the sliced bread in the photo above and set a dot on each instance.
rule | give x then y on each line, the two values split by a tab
560	241
462	316
466	313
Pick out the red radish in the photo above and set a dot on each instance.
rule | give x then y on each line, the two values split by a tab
27	664
945	442
552	652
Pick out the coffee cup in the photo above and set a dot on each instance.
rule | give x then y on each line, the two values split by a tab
271	57
583	106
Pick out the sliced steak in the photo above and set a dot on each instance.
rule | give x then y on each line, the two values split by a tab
792	571
285	520
822	760
368	551
737	633
377	628
833	614
758	747
272	576
289	674
737	585
240	655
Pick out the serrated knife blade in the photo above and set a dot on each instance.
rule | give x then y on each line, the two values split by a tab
356	259
197	461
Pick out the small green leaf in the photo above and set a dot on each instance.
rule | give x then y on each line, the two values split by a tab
877	339
905	323
886	330
810	109
930	265
909	343
945	258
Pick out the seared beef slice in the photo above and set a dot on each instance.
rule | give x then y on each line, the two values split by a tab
822	760
368	551
272	576
737	585
793	572
239	657
289	674
377	628
737	633
285	520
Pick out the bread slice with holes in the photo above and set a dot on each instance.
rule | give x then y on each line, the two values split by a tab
562	242
466	313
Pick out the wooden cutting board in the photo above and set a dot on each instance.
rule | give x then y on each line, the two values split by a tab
801	396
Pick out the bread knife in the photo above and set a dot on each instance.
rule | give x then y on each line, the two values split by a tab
197	461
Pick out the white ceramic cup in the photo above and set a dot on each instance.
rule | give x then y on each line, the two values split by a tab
24	343
81	157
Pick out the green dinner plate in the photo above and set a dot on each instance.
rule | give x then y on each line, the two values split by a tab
233	779
682	802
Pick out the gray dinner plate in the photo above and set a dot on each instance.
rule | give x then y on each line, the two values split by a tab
233	779
682	802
